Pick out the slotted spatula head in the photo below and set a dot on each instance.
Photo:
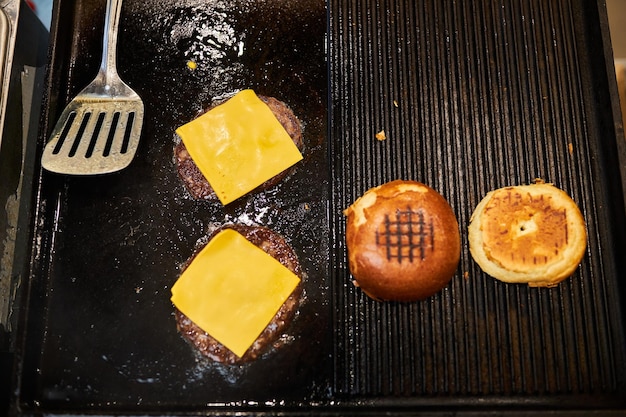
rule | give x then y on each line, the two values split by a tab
98	132
95	135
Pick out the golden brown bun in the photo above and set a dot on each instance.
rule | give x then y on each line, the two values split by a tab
403	241
531	234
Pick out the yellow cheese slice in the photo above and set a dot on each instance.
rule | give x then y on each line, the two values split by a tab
239	145
232	290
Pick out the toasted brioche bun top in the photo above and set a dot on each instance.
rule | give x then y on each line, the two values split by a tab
403	241
532	234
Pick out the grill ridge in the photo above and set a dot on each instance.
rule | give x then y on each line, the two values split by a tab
473	96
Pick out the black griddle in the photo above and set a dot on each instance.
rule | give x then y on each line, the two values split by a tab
472	96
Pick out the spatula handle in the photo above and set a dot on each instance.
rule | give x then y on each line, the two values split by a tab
109	44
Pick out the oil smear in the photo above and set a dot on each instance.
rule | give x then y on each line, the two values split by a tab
205	35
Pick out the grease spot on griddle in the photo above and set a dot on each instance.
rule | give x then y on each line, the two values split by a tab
201	34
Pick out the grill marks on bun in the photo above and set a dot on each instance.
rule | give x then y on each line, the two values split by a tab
407	235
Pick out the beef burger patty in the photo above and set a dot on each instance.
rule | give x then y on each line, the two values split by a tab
276	246
197	184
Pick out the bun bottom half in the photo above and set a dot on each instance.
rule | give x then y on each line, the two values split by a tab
533	234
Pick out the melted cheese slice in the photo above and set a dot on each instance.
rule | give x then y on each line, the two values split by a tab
239	145
232	290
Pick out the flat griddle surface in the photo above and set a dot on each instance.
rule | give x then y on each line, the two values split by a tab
472	96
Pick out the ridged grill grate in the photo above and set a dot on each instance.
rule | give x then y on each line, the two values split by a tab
472	96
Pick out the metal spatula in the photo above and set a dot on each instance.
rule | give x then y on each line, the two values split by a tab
98	132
